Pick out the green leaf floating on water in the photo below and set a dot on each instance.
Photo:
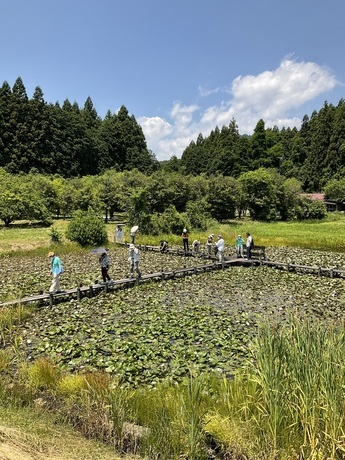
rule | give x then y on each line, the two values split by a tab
163	329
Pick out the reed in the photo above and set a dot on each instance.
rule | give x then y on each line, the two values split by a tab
300	373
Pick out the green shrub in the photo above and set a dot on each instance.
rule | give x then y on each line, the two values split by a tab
308	209
39	375
171	221
56	237
87	229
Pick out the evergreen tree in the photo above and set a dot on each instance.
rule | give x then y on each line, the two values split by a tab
195	158
320	133
5	117
259	145
19	129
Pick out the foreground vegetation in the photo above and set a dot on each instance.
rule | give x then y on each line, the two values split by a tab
235	364
287	402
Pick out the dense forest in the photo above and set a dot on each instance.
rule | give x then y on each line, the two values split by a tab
36	136
67	140
314	155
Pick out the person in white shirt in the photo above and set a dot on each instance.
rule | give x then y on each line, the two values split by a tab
134	260
249	245
221	247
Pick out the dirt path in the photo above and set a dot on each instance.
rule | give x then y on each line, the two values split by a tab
17	445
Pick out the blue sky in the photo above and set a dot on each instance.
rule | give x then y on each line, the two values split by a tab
181	67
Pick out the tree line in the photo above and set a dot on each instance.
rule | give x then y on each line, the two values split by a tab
162	202
314	155
71	141
67	140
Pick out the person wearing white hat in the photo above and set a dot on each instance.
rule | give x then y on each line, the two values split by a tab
185	237
239	246
134	260
209	243
221	247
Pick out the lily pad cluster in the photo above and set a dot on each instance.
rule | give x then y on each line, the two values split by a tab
164	329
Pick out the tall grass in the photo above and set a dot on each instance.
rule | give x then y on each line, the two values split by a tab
293	397
9	317
288	403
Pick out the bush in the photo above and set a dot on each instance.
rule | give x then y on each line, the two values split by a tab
56	236
87	229
308	209
171	221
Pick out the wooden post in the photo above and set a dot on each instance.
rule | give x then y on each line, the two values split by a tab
51	299
78	293
91	291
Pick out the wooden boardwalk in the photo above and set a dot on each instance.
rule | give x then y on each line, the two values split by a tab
211	265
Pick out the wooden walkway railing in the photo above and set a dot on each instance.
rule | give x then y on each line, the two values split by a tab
213	264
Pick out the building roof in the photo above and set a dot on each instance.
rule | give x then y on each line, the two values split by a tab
315	196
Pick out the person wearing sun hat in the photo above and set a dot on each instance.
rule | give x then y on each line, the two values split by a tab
133	260
221	247
209	243
55	270
239	246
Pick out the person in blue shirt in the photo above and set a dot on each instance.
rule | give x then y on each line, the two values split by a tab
239	246
55	270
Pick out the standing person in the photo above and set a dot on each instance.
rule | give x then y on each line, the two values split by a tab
56	269
185	237
249	245
239	246
220	245
104	261
133	260
133	233
119	235
209	243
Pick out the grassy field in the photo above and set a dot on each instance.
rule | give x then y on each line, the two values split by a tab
328	234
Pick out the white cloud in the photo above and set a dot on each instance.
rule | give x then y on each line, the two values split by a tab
204	92
270	95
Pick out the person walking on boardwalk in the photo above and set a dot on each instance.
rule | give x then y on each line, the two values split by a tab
118	234
209	243
134	260
185	237
239	246
104	261
249	245
56	269
220	245
133	233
